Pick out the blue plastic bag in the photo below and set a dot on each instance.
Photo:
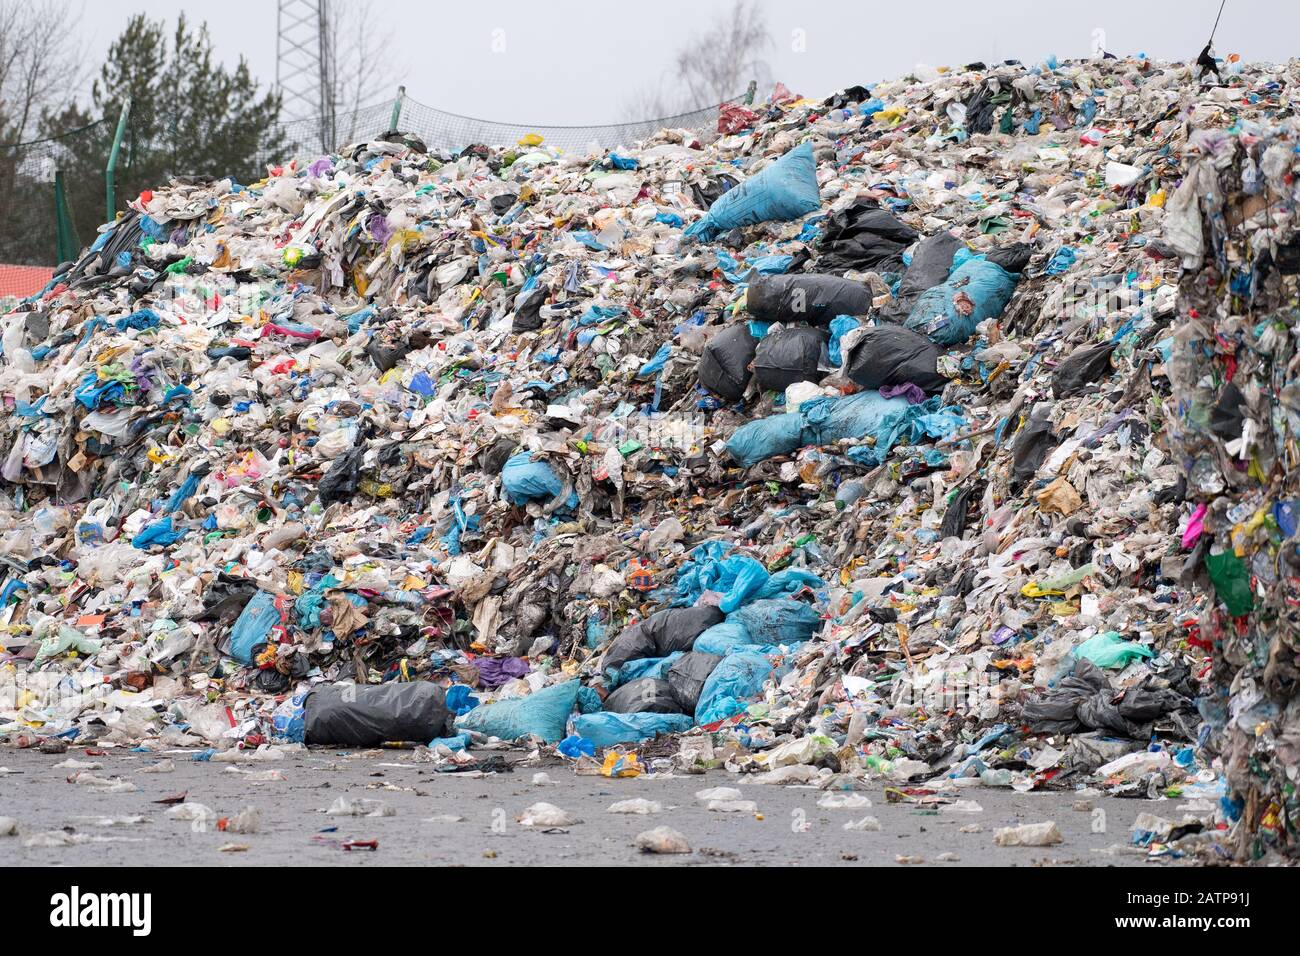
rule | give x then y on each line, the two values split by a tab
543	713
653	367
747	578
159	532
841	326
765	437
289	720
828	420
777	621
735	679
785	190
723	639
788	582
139	321
182	494
575	746
460	700
737	577
824	421
253	626
656	667
1061	260
988	286
606	729
525	480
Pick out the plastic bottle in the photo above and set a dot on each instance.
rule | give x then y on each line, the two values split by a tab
849	492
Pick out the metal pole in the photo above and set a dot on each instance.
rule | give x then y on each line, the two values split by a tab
1216	20
109	191
397	109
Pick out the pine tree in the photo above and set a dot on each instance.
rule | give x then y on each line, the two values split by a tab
190	117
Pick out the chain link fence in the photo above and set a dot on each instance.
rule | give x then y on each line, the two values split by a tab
52	191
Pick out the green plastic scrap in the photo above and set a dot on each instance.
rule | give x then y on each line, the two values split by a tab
1112	651
1231	580
64	641
1063	582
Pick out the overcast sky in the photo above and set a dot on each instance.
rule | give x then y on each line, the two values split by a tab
576	62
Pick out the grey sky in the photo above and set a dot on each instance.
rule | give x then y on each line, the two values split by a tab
574	62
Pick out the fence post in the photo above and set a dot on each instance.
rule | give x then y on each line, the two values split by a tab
109	186
397	110
749	93
66	245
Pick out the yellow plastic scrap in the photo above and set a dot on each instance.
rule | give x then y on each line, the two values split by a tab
1035	590
1242	532
359	278
530	139
408	239
620	765
890	116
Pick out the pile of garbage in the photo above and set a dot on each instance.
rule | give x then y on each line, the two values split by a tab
1233	222
842	445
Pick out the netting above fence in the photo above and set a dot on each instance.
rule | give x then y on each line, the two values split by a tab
31	233
441	129
29	226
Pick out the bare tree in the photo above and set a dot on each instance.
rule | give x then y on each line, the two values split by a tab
40	63
714	67
361	70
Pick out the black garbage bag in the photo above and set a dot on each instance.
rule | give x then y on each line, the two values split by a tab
386	353
528	311
269	680
673	629
1014	257
790	354
864	236
368	715
979	110
340	482
1081	368
954	519
931	263
224	598
724	364
1033	444
850	94
708	192
1229	413
687	675
887	355
1085	699
806	297
647	695
1288	257
1132	714
1058	711
494	457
